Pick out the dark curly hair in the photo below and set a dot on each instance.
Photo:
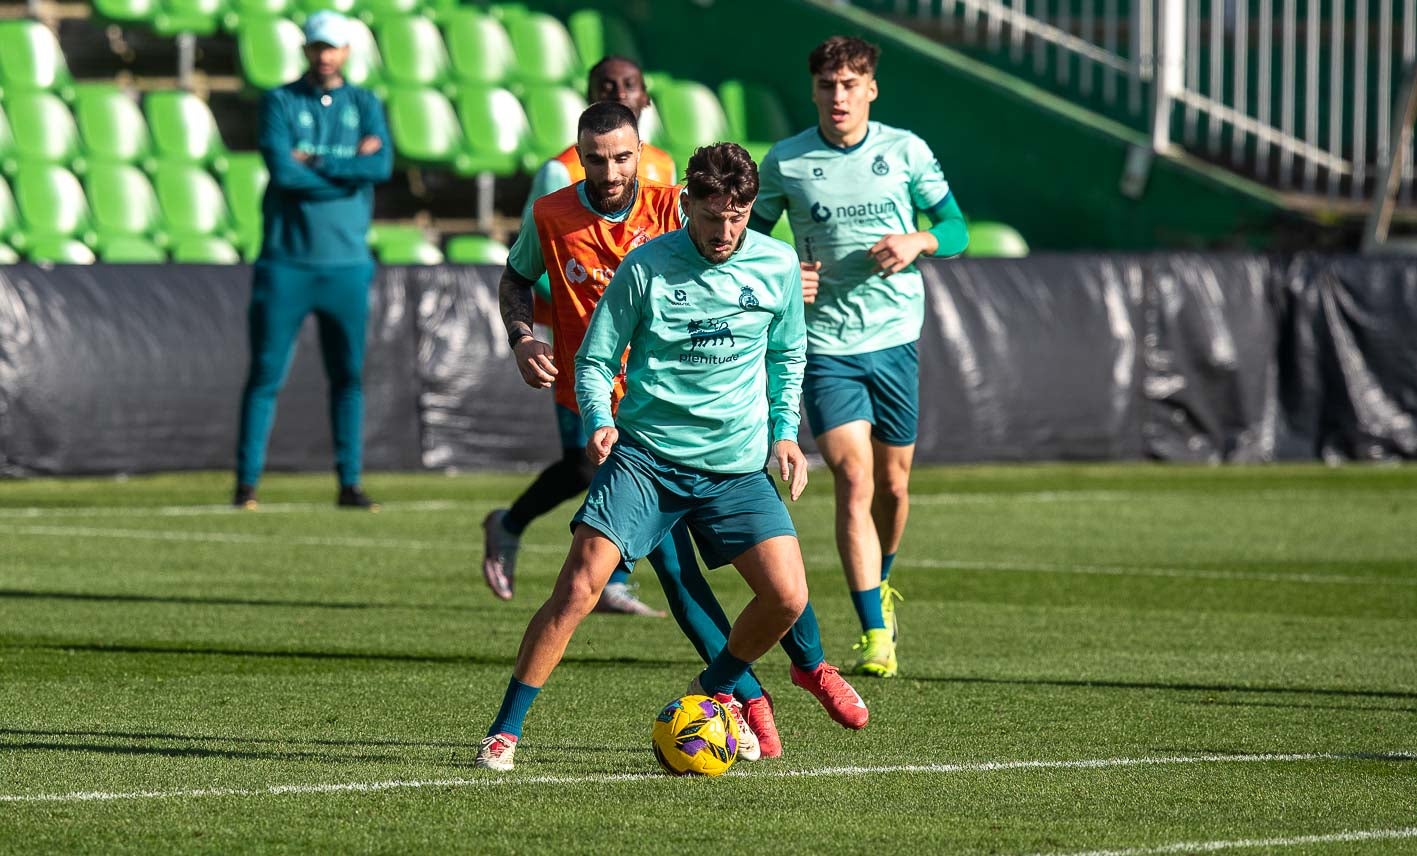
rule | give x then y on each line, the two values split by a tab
722	169
847	52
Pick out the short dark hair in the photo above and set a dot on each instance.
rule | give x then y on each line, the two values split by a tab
847	52
600	66
602	117
722	169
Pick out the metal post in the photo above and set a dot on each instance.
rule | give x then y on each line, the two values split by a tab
1241	78
186	59
486	185
1170	68
1360	99
1385	194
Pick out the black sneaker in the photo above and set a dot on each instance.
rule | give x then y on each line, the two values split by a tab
353	496
245	497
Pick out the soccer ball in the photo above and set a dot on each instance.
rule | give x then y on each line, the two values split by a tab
695	736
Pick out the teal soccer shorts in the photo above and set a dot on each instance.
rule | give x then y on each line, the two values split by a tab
882	387
637	496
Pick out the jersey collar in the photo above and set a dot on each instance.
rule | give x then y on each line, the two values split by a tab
846	150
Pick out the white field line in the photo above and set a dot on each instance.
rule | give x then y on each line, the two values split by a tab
359	543
1242	843
615	778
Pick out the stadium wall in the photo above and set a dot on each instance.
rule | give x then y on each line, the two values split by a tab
1211	358
1012	151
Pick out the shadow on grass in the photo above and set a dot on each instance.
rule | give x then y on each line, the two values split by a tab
1160	685
203	752
374	656
24	594
1302	706
218	738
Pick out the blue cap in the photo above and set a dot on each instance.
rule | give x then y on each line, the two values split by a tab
329	27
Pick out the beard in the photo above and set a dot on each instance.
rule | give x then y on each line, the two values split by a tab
604	201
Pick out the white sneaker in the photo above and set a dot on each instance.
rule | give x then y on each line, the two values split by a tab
748	748
623	598
499	555
496	753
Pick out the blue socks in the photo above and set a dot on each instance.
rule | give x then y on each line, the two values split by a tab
868	608
803	643
619	576
886	562
723	673
515	704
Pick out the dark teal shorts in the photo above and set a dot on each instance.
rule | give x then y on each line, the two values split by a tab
882	387
568	422
636	497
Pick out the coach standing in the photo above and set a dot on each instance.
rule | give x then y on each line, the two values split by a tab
325	144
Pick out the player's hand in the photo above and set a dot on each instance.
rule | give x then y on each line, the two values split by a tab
300	156
793	466
536	362
898	252
810	280
601	442
370	145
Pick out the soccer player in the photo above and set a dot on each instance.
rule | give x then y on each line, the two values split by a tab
851	189
578	236
612	79
326	145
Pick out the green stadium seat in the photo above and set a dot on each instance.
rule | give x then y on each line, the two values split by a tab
414	53
652	129
553	112
241	11
8	256
60	251
198	17
7	143
270	51
403	245
365	67
991	240
507	12
598	35
205	250
480	49
9	214
131	251
126	11
375	11
123	204
192	202
32	61
692	117
496	130
476	250
245	185
755	114
111	125
44	129
52	205
424	127
184	130
344	7
544	50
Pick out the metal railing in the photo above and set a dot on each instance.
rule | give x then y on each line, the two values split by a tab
1297	93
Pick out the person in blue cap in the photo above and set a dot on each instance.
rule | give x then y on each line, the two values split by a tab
326	145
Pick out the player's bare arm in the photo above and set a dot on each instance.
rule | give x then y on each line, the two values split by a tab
534	357
898	252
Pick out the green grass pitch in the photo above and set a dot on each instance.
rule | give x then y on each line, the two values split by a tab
1094	658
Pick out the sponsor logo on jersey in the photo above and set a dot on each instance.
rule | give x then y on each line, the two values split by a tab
680	298
705	335
578	273
818	172
820	212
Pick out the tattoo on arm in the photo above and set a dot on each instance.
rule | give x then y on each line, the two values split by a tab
514	297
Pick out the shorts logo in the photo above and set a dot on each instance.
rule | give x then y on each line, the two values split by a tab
747	299
681	297
879	165
710	332
575	271
820	212
596	500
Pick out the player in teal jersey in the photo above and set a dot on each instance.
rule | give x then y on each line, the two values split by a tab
851	188
325	144
712	317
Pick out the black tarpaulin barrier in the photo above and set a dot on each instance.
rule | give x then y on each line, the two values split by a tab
1190	357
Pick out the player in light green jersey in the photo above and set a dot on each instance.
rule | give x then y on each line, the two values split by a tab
851	189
